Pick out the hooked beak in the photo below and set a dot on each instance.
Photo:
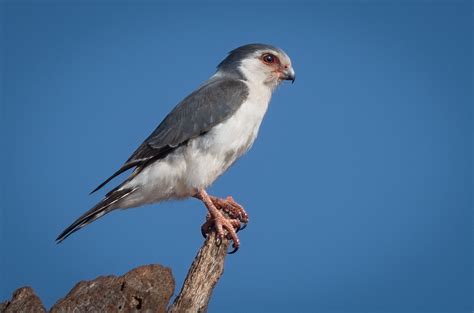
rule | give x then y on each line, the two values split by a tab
288	74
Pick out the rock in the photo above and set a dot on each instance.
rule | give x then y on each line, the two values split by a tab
146	288
24	300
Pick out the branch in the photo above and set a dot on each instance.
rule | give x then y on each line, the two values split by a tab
207	268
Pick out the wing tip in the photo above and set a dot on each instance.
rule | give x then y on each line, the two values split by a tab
97	188
125	167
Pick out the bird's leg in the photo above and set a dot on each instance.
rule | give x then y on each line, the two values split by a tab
231	208
218	221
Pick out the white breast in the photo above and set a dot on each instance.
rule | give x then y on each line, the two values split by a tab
210	155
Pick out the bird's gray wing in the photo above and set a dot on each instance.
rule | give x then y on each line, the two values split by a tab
209	105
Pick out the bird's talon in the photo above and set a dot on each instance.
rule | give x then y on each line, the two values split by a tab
206	227
225	217
204	232
233	250
231	208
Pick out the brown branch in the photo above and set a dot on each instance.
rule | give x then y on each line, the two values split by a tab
207	268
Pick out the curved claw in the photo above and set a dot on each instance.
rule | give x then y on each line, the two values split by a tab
205	228
203	232
234	250
243	226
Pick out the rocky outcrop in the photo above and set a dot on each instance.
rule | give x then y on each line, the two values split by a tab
23	300
147	288
144	289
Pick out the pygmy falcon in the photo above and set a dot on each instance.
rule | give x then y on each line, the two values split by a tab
199	140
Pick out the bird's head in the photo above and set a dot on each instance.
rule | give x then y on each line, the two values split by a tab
259	63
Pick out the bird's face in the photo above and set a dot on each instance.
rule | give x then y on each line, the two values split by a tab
268	66
259	64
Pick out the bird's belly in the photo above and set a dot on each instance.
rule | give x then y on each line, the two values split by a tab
194	166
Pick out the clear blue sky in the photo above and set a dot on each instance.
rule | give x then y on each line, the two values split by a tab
359	187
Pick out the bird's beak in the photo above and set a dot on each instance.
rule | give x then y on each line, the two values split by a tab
288	74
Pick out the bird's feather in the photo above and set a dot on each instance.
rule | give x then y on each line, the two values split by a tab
214	102
99	210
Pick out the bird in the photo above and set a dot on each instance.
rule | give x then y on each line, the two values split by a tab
199	140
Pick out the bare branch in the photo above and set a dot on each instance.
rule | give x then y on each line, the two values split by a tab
207	268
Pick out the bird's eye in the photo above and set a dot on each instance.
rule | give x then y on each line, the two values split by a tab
268	58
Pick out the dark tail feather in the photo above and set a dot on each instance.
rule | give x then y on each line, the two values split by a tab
102	208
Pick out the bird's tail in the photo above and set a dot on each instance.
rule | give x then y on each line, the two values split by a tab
105	206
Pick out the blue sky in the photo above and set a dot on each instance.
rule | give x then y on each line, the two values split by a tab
359	187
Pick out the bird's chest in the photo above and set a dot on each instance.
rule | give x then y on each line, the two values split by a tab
236	135
214	152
